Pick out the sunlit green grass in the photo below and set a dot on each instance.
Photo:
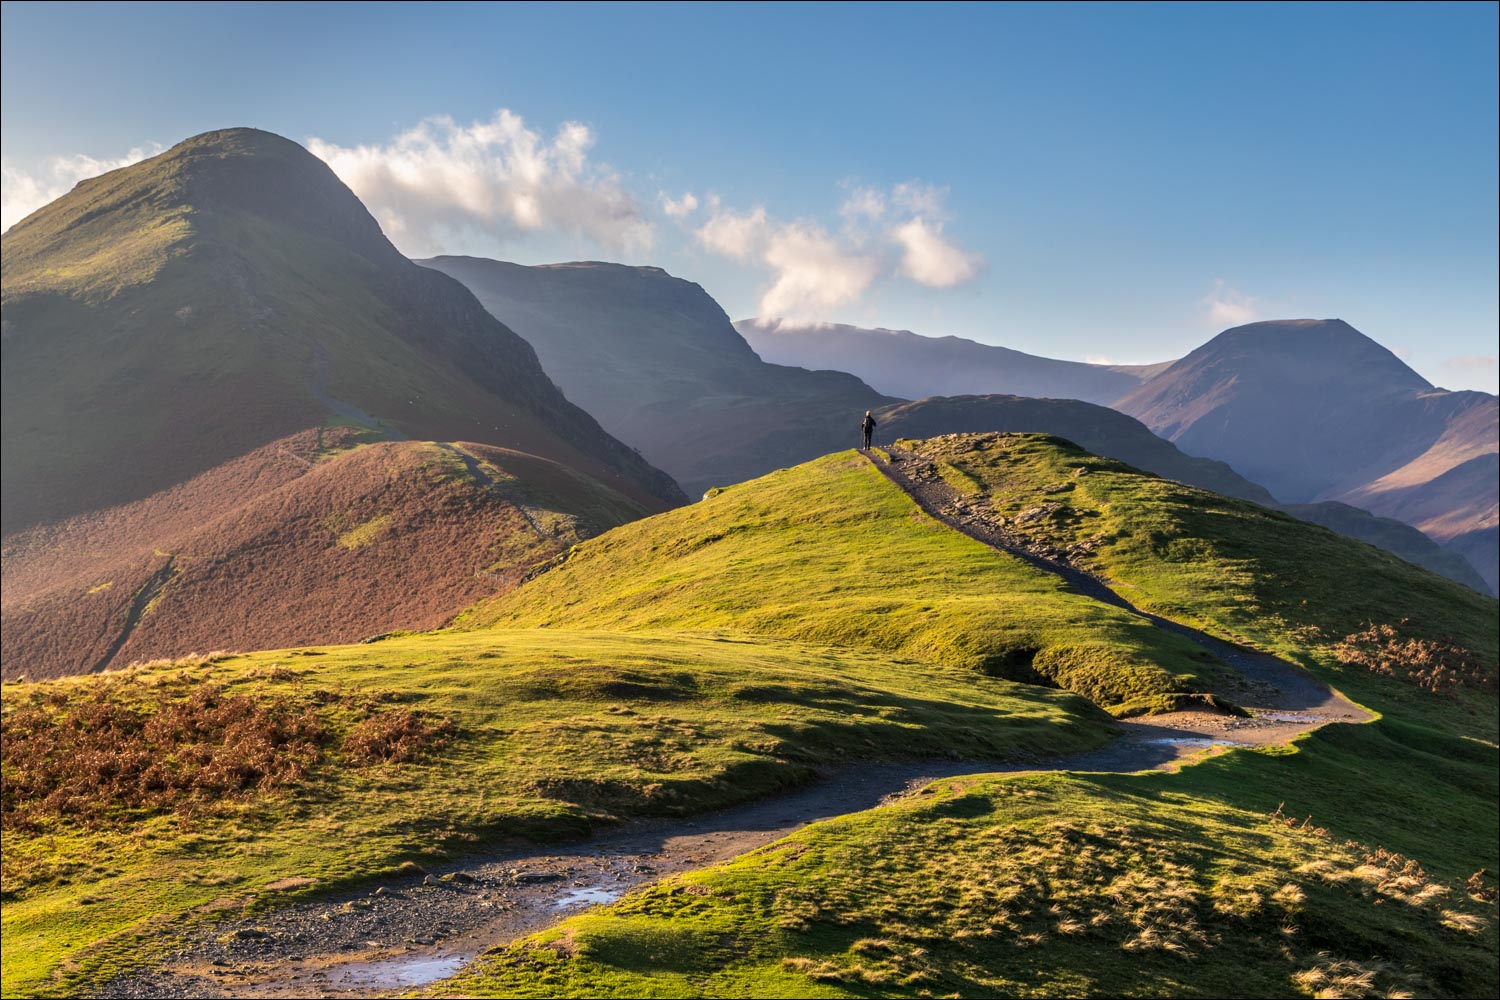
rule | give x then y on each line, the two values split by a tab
1179	884
1234	568
1036	885
831	552
557	733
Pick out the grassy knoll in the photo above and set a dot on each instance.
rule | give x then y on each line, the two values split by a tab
539	735
1036	885
830	552
1254	873
1233	568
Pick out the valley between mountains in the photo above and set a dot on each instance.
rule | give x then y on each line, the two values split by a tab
361	638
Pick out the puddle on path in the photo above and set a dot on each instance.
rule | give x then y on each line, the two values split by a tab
588	895
1289	716
1195	742
394	973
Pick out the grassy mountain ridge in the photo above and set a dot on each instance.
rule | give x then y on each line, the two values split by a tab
175	314
1111	434
829	552
1252	574
315	538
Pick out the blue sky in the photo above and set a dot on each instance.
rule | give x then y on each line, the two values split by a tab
1102	182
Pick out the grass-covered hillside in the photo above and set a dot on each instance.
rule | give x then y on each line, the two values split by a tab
321	537
1357	862
175	314
1246	573
138	801
830	552
817	616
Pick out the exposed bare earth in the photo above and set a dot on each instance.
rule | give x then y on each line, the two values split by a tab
426	926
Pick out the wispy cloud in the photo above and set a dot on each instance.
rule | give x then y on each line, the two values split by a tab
23	192
812	269
1228	306
1472	363
679	208
434	184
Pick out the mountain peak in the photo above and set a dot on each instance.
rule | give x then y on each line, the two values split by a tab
1308	351
121	228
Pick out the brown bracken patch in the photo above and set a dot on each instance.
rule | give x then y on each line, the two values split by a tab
92	757
1437	665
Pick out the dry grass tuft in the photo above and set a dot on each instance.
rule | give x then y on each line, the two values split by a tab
395	737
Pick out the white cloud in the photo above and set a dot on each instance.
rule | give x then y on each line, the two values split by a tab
441	181
811	271
741	237
679	208
930	260
814	273
863	203
1228	307
23	192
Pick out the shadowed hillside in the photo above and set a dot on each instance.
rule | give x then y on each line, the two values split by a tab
658	362
1315	410
170	316
311	539
907	364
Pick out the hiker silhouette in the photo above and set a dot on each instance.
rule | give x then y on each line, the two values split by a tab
868	426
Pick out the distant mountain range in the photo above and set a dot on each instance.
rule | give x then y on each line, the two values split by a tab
1315	410
657	360
225	391
912	366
